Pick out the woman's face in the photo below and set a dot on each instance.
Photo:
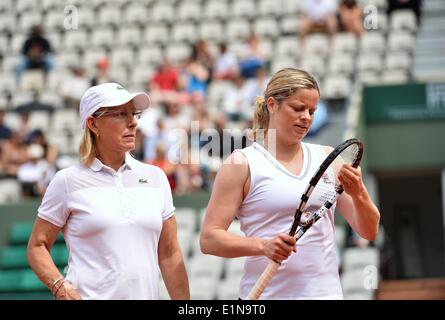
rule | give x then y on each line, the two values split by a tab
116	127
294	116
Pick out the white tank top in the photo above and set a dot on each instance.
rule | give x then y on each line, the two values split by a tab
269	208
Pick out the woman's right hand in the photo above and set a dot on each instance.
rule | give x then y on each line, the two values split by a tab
280	247
67	292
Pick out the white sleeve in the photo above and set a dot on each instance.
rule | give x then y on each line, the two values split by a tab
54	203
169	208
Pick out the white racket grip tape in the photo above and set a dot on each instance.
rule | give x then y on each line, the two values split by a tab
263	281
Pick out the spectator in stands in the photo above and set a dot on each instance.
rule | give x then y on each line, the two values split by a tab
13	155
194	78
258	184
161	161
50	152
318	16
101	76
226	64
201	54
73	87
414	5
255	86
24	130
351	17
236	100
253	58
5	131
138	152
35	175
36	53
116	213
164	84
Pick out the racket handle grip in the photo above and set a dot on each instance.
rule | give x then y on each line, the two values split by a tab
263	281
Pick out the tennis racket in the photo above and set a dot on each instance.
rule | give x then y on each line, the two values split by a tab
349	152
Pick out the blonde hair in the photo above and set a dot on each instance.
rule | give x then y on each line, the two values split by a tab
87	147
282	85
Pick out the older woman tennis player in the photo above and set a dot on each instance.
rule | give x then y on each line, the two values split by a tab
116	213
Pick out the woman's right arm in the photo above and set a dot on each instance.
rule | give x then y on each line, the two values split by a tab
227	196
39	246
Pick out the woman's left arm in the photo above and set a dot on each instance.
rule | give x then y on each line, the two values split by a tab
171	262
356	205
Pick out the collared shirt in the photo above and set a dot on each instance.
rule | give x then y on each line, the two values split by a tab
111	221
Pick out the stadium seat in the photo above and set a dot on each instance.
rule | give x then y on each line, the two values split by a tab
238	29
75	39
122	57
269	8
102	36
216	10
65	119
135	13
39	120
88	18
91	56
149	54
25	5
336	87
67	59
394	77
177	52
359	258
372	42
9	190
20	232
16	43
6	5
157	33
7	22
314	64
289	25
211	31
118	72
14	257
344	42
316	44
243	9
130	35
281	62
397	61
403	20
140	75
28	20
291	7
399	41
287	46
184	31
189	11
108	15
369	62
162	12
50	5
266	28
341	63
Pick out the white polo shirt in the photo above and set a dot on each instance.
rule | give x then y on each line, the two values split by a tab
111	222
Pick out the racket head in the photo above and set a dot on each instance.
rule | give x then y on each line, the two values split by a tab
324	184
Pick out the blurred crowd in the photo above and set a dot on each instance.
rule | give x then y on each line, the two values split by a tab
180	96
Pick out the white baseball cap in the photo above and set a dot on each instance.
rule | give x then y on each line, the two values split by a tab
109	95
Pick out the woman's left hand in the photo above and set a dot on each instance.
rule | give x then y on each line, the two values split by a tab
351	180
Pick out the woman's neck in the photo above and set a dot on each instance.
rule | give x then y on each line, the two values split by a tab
282	151
111	159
